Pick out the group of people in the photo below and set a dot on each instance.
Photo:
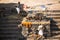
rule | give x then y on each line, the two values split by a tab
38	32
38	35
32	32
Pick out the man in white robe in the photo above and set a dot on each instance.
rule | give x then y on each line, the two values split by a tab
40	29
18	10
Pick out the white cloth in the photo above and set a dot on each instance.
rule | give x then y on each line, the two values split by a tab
39	27
40	30
18	10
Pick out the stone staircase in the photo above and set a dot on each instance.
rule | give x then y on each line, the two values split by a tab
9	27
55	24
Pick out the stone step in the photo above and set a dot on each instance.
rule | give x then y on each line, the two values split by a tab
53	12
5	23
51	39
57	32
56	23
56	37
10	20
9	38
9	35
12	26
55	27
9	32
53	16
13	17
56	19
9	24
3	28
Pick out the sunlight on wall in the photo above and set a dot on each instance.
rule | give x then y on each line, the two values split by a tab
8	1
35	2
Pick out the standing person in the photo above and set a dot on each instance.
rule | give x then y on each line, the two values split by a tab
40	31
17	9
19	4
